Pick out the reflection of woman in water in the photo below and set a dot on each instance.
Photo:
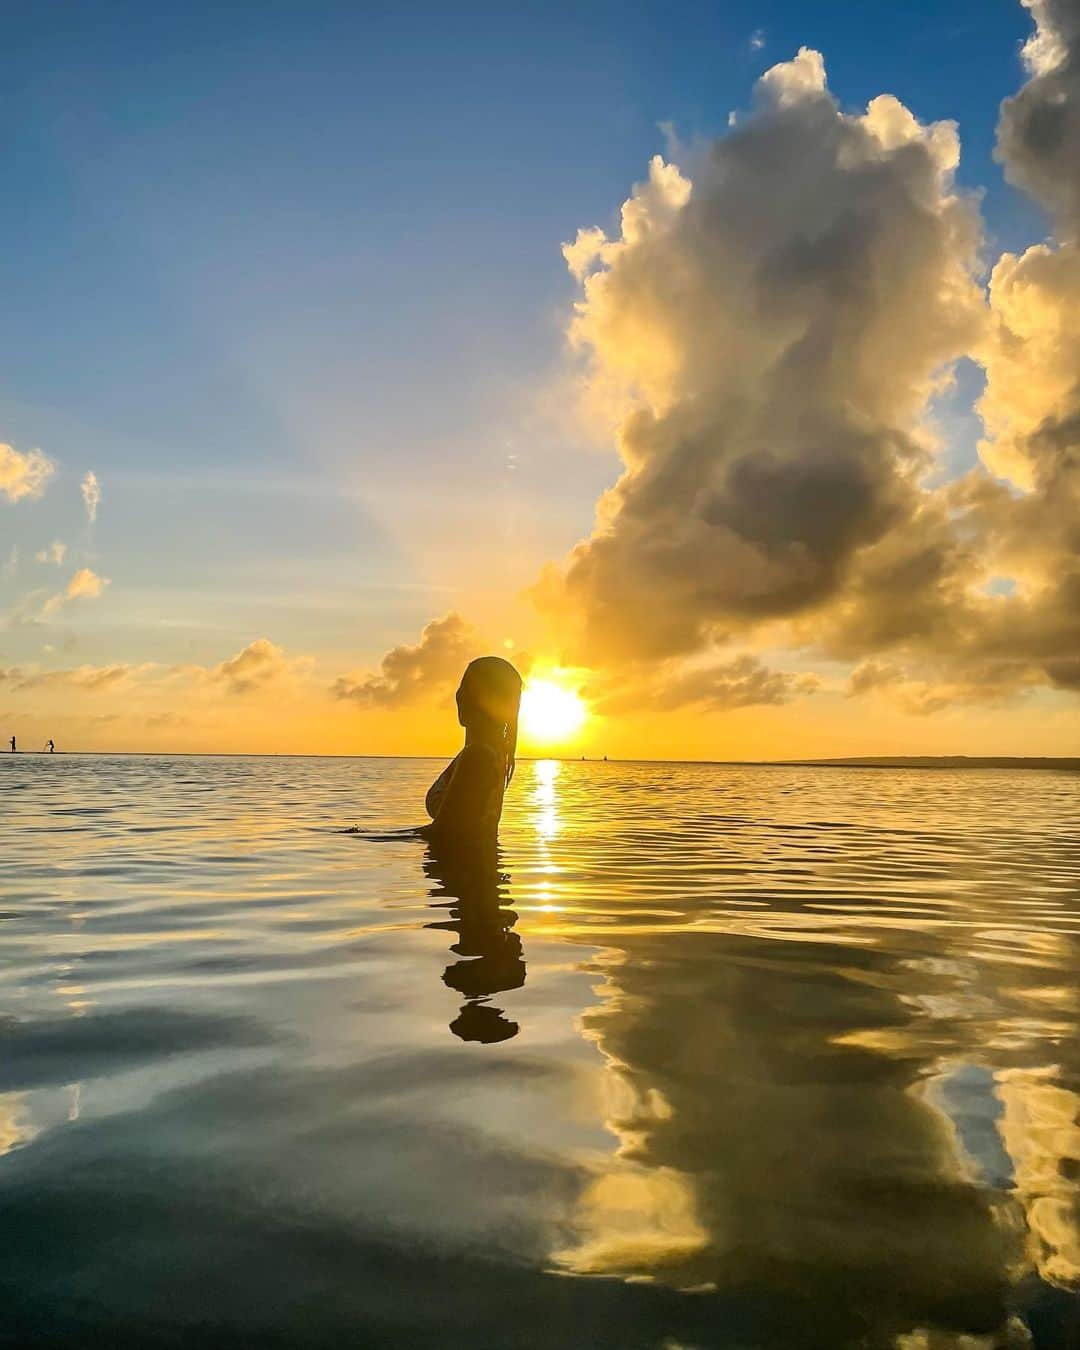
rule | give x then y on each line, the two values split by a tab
471	888
465	801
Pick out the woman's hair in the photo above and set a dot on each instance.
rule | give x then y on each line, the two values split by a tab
490	690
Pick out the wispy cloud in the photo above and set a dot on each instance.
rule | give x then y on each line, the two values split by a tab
84	585
55	553
87	679
91	495
166	721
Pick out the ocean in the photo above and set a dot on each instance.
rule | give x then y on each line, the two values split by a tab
712	1056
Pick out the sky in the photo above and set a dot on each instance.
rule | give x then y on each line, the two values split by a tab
304	401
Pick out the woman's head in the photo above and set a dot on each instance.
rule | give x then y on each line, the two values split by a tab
487	701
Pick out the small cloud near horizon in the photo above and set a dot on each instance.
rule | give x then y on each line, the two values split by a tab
260	663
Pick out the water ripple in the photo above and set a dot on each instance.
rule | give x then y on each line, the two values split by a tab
768	1057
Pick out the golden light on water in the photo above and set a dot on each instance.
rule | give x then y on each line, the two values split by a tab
551	712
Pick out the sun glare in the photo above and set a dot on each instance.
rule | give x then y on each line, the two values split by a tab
550	712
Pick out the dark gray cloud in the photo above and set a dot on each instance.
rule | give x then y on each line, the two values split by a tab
1039	130
742	682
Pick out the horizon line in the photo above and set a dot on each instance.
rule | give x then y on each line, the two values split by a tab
836	761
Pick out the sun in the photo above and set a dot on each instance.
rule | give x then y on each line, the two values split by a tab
550	712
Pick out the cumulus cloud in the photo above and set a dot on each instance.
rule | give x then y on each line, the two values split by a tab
771	324
1030	529
1017	515
774	321
84	585
91	495
409	674
53	554
259	664
23	474
1039	129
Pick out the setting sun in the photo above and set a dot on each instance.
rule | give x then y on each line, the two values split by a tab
550	712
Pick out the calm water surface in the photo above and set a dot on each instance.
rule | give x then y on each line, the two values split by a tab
733	1057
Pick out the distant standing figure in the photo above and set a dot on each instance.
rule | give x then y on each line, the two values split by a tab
13	745
51	747
465	801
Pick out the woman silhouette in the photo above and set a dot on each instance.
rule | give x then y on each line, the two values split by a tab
465	801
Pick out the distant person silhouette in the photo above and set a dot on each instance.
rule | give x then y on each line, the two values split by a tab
13	745
50	747
465	801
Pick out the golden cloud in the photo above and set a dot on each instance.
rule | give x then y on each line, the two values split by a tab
23	474
775	319
409	674
88	679
770	326
259	664
85	584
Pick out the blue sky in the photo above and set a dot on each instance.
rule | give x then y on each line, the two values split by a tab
287	277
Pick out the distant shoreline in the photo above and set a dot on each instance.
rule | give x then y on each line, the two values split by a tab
935	762
1044	762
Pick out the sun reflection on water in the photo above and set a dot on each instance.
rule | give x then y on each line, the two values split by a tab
545	798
